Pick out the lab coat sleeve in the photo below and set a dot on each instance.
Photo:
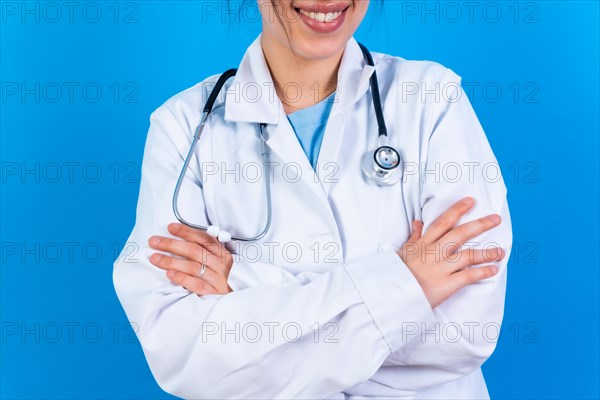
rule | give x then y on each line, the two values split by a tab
306	338
459	163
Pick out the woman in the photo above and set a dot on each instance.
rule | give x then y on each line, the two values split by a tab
357	290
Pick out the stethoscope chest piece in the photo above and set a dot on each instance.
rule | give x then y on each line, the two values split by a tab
383	165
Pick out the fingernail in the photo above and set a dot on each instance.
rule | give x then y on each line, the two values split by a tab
153	241
494	269
170	274
501	254
495	218
468	201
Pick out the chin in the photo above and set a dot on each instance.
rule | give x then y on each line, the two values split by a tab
319	49
312	40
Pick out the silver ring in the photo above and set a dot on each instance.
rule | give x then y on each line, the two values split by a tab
202	271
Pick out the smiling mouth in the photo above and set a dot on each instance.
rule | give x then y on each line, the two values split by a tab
321	16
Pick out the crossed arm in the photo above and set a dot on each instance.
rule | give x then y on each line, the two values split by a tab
439	275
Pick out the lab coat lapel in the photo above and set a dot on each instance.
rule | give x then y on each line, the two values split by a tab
251	98
293	165
353	82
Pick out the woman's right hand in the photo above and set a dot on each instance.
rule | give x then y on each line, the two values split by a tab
435	259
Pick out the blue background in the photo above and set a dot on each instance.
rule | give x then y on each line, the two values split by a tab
64	334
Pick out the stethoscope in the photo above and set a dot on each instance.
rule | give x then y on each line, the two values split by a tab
381	164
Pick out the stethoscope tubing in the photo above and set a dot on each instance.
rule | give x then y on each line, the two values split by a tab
266	162
208	108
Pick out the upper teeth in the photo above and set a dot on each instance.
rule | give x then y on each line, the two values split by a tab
321	17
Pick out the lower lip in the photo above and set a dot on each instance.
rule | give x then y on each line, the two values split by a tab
323	27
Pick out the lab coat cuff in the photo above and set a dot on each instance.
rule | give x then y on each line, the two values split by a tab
393	296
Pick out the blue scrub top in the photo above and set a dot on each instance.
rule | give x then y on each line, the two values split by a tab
309	126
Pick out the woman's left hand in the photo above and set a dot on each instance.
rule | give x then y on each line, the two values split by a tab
184	266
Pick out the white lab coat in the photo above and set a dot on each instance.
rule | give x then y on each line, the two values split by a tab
322	306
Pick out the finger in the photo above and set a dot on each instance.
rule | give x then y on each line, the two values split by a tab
468	257
464	232
417	231
469	276
195	285
411	247
445	222
192	268
200	237
191	251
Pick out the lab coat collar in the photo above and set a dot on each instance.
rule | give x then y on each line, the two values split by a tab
252	97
